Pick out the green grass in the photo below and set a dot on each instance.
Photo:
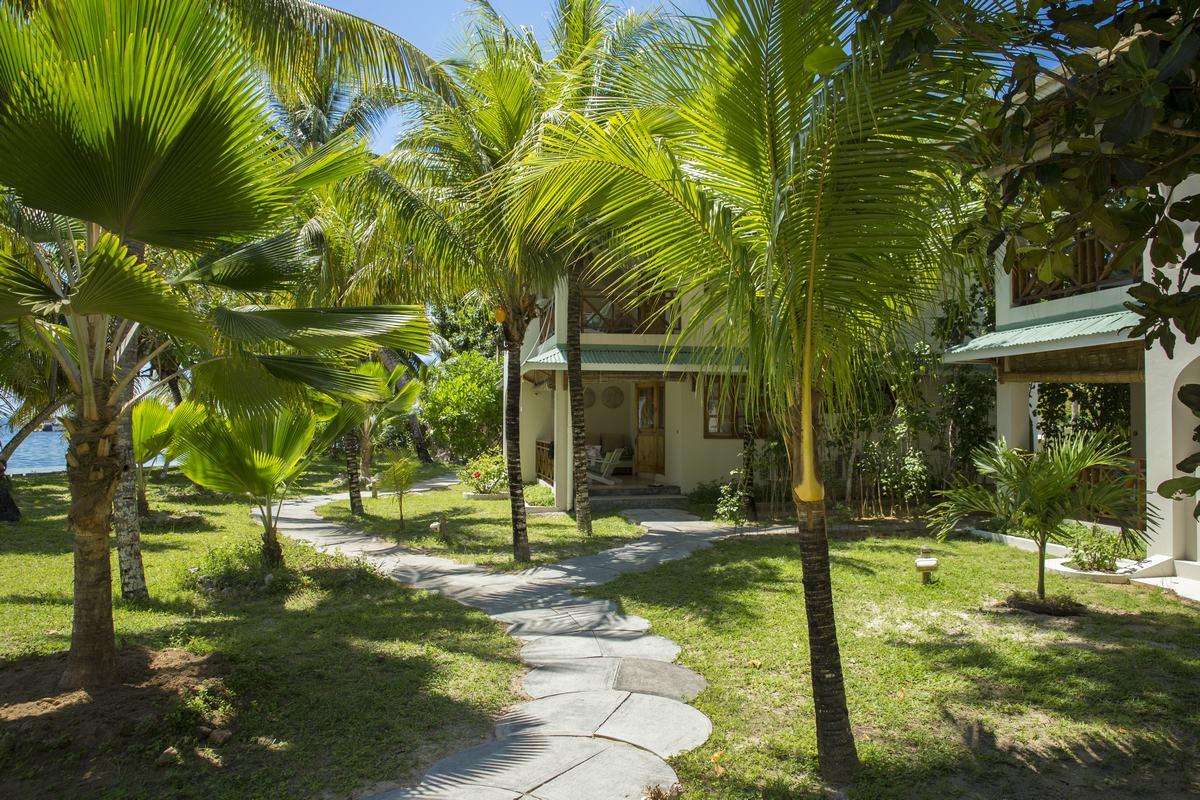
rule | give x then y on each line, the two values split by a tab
481	530
950	696
336	677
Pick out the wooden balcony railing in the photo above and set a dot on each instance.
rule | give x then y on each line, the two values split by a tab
603	309
544	461
1092	271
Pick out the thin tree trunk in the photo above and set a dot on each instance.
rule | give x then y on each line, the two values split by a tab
9	510
367	459
1041	588
127	503
512	442
93	471
272	551
579	463
749	503
836	752
351	445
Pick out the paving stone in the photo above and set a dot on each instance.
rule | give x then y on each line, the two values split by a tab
657	677
516	763
572	675
615	644
573	714
661	725
620	772
473	791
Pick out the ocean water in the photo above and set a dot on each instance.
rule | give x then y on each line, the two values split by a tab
43	451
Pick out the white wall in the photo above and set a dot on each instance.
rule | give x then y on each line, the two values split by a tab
537	422
692	459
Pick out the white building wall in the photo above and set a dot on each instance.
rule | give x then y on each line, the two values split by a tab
691	458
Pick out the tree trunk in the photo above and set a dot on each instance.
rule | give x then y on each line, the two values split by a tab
1041	589
127	503
351	445
512	442
93	471
579	462
272	551
748	501
836	753
367	457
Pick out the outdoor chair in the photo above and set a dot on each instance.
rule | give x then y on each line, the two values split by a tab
604	469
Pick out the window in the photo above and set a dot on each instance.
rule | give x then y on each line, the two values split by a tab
725	413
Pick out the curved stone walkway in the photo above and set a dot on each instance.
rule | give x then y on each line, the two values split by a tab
609	706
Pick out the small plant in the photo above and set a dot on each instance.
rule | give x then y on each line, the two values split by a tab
399	477
485	473
1094	549
730	505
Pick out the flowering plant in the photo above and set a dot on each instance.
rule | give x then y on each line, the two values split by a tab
486	473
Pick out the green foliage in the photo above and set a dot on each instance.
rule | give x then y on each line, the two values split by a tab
1038	493
486	473
1066	407
461	404
152	431
729	502
465	326
1186	485
399	476
1094	549
966	393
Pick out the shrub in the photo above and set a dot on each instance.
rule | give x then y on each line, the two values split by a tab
461	405
538	494
1093	549
707	493
729	504
486	473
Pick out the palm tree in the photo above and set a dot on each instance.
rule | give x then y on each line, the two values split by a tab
180	156
789	191
1040	493
446	186
259	455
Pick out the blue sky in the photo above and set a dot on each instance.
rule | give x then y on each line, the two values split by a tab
433	25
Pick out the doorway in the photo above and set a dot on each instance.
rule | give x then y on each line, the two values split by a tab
650	448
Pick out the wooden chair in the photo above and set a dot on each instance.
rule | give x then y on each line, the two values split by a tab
604	469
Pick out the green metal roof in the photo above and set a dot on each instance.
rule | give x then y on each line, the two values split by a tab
643	358
1046	336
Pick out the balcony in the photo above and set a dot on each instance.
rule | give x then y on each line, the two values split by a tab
604	309
1093	272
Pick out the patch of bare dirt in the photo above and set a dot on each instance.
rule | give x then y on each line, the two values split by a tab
44	730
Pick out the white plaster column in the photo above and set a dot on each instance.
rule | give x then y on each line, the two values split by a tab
564	487
1012	414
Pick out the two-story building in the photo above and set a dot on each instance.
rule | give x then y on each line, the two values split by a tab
645	398
1077	331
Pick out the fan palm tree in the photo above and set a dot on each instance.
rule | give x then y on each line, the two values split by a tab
1040	493
258	455
787	185
179	155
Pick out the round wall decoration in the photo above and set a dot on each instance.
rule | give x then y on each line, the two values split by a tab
589	398
613	397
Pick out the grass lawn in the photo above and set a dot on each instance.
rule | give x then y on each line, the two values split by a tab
481	530
950	696
330	677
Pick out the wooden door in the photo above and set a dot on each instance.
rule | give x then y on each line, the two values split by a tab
651	446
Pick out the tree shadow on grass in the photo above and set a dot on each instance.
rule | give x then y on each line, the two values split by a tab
349	679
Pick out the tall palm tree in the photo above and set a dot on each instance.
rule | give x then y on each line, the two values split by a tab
447	183
182	155
787	185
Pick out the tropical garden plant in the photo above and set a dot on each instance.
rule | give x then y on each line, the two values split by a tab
399	477
795	196
107	157
461	404
1041	494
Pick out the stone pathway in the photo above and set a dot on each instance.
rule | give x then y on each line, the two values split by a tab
609	706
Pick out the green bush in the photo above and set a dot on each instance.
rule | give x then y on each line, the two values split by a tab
729	504
1095	550
486	473
461	405
707	493
538	494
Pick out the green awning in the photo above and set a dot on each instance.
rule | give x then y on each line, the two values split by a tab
634	358
1066	334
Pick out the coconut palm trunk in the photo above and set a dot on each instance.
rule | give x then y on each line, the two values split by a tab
579	464
748	501
514	334
130	496
352	446
836	751
93	472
